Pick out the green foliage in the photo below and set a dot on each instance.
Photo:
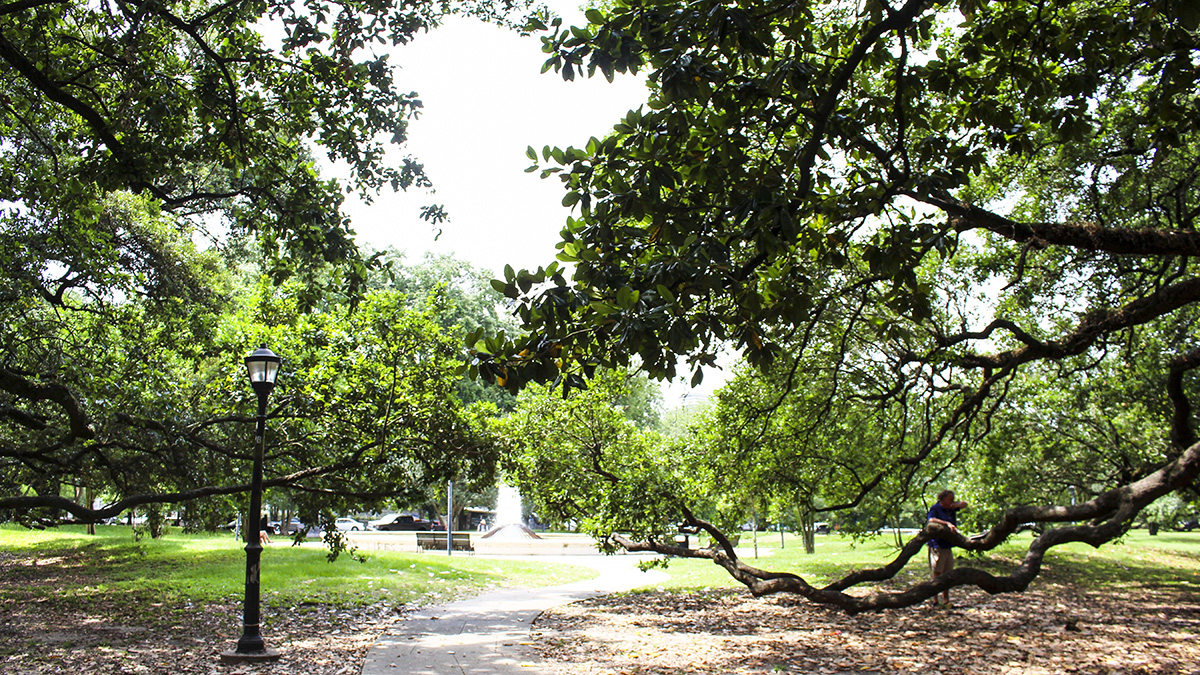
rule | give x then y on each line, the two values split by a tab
370	391
942	234
209	109
802	166
1062	436
364	411
462	300
128	132
582	459
1170	512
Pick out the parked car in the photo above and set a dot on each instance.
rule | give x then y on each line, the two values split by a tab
348	525
394	522
822	528
276	526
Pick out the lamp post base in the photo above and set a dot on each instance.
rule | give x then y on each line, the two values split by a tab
265	656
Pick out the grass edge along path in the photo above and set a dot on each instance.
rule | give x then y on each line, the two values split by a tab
211	568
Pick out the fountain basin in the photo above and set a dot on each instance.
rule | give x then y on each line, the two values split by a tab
550	543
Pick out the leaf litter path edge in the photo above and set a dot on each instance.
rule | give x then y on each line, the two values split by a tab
491	633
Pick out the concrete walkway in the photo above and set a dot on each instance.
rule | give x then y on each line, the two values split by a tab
490	633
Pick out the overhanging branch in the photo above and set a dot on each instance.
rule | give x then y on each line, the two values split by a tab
28	502
1091	328
1086	236
1109	514
22	5
22	387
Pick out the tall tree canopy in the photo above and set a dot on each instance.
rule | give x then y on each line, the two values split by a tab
130	132
189	104
941	199
365	411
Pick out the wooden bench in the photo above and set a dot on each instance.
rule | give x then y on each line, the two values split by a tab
436	541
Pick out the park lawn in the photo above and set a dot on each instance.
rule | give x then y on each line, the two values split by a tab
211	568
1170	559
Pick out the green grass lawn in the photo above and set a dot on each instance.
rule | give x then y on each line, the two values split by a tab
1169	558
211	567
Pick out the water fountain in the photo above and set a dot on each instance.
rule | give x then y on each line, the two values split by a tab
508	517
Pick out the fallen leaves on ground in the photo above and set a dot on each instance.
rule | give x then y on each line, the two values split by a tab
1139	629
1059	629
85	631
48	637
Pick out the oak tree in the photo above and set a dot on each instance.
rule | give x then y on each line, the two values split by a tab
147	147
957	196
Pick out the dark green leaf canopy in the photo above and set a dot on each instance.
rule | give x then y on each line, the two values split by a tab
212	109
796	152
900	212
147	149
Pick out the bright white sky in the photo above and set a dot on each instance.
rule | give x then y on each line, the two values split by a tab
485	101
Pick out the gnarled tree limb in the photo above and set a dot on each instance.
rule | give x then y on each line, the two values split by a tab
1110	514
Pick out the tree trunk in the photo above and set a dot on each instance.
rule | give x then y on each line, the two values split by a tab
90	497
808	527
154	521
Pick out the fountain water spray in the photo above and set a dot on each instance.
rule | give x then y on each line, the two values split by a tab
508	516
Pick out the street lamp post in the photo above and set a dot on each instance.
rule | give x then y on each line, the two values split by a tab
261	365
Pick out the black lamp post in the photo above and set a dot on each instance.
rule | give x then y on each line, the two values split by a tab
262	365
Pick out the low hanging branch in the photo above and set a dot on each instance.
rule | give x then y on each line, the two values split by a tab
1109	515
22	387
84	513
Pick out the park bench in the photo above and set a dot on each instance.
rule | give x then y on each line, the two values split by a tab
436	541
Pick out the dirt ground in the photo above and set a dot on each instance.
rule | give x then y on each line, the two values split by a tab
52	637
1056	629
1060	629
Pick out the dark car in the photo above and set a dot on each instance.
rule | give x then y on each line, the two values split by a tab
399	521
294	526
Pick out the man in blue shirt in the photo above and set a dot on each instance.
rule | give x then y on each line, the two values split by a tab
941	552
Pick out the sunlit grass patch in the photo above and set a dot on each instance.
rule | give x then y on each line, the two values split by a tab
67	562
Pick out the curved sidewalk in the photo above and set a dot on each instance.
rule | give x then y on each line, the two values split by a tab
490	633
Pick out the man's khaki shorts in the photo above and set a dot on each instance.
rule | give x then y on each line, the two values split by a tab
941	560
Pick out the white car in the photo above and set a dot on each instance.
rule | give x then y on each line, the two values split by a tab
348	525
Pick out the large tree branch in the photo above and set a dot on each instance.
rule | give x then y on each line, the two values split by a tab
1091	328
22	5
90	115
1082	235
25	419
1182	432
822	115
1110	514
986	334
21	387
193	32
27	502
103	130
